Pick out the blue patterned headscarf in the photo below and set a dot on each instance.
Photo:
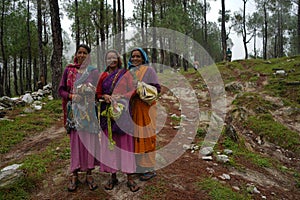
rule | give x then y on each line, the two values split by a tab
144	55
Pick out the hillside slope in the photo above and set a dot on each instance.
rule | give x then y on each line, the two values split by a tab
260	137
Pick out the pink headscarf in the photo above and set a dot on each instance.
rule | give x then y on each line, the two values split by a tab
72	71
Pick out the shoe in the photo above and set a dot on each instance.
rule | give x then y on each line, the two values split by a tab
90	182
147	176
73	184
132	186
111	184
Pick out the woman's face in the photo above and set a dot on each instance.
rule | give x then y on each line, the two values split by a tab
136	58
112	60
81	55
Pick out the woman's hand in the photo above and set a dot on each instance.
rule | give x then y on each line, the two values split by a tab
107	98
76	98
116	97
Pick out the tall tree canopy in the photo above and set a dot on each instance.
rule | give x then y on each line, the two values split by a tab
29	57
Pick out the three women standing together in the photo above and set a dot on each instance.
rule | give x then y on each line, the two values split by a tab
127	124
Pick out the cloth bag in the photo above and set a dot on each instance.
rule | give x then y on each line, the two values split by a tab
70	123
112	112
146	92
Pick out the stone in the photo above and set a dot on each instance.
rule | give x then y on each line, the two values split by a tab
206	151
208	158
222	158
10	174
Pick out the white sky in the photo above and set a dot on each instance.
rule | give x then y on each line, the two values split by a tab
233	5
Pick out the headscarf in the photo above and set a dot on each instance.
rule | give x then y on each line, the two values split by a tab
144	55
72	70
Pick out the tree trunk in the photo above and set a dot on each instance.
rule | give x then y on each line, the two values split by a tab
28	69
99	53
265	32
119	27
280	32
298	27
106	23
56	59
185	53
45	42
77	39
2	71
40	38
254	45
161	43
244	30
223	30
142	22
16	76
114	28
21	73
35	74
145	39
123	31
154	49
206	46
8	86
102	33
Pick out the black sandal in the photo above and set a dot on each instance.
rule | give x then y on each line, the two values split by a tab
132	186
73	184
111	184
91	183
147	176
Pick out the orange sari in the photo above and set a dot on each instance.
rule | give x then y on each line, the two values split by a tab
144	116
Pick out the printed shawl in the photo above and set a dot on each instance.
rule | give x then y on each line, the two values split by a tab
72	71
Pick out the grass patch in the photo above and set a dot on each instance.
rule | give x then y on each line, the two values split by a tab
154	190
239	150
22	125
18	190
247	70
258	159
218	191
254	102
275	132
36	167
261	122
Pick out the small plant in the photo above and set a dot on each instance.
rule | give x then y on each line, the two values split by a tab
175	119
201	133
218	191
297	179
258	159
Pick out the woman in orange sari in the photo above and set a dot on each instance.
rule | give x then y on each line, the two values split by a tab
144	116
